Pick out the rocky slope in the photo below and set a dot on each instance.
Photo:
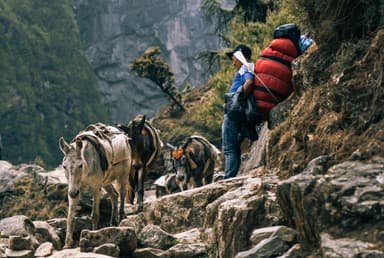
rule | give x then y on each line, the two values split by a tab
324	211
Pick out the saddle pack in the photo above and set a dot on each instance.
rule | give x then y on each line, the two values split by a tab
109	142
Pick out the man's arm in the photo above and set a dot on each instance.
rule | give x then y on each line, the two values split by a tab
248	87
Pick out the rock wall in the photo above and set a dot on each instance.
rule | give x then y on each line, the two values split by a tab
116	32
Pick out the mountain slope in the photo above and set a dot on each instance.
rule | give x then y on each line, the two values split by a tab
337	108
47	88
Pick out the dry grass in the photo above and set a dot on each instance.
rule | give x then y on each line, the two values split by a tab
339	115
32	200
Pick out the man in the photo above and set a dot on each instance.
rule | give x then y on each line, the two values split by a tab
231	130
269	81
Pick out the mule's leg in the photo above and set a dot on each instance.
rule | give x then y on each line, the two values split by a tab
140	187
72	202
208	179
95	215
130	188
209	174
198	181
122	193
113	196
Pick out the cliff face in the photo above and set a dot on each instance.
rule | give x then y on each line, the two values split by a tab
116	32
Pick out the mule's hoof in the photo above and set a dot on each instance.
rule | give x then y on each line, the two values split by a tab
140	209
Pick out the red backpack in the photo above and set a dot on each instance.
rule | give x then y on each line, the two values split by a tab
273	74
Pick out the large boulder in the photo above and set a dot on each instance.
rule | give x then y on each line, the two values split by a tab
347	199
18	225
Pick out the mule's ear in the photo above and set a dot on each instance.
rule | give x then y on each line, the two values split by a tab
64	146
142	122
124	128
170	146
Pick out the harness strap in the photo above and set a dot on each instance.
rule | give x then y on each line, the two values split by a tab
277	59
156	141
100	151
265	86
261	88
207	150
212	148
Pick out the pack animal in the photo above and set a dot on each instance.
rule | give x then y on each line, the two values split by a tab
166	184
97	156
194	162
146	146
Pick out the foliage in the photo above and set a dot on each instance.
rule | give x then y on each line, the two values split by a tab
152	67
47	88
255	11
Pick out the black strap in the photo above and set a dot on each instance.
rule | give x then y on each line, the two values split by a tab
277	59
100	150
261	88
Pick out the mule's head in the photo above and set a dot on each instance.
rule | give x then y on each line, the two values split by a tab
136	133
180	163
73	164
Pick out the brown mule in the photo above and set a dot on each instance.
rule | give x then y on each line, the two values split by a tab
146	146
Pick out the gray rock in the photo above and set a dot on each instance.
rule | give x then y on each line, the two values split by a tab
19	225
75	253
347	198
44	250
347	247
19	254
56	176
258	152
45	232
284	233
153	236
134	221
151	253
124	237
18	243
267	248
293	252
318	166
108	249
234	215
60	225
300	207
9	175
188	237
196	250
